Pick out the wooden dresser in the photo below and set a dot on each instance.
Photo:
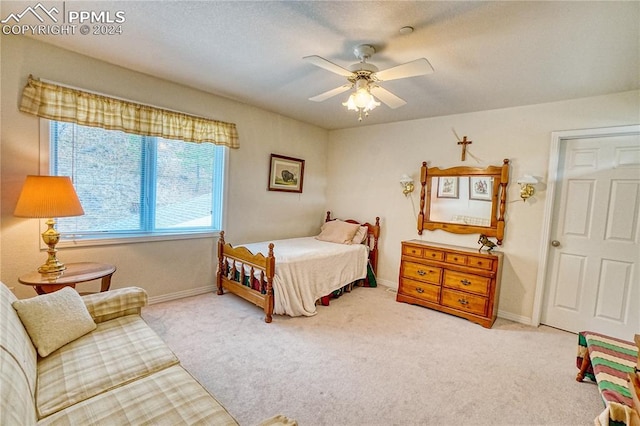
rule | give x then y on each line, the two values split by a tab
457	280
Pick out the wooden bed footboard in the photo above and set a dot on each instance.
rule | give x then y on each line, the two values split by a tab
253	281
254	285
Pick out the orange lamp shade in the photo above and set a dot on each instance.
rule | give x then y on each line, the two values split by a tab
48	197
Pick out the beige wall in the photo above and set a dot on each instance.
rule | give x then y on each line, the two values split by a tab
366	163
163	268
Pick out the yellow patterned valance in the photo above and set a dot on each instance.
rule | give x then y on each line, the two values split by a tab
62	103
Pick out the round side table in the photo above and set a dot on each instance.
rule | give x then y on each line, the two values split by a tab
74	274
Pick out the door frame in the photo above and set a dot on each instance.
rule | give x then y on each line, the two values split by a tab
558	139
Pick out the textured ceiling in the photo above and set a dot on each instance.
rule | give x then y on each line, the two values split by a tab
486	55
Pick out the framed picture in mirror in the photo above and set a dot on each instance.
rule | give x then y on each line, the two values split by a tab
448	187
480	188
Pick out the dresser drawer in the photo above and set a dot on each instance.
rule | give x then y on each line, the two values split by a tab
431	254
464	301
480	262
421	272
412	251
466	282
420	290
456	259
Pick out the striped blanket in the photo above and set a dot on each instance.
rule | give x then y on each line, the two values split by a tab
611	362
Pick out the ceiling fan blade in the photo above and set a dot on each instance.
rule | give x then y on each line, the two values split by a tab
331	93
389	99
410	69
327	65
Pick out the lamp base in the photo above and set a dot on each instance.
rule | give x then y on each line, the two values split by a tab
51	238
52	266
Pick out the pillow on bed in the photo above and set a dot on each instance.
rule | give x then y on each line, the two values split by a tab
361	234
338	231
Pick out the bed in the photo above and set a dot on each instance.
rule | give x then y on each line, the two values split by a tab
289	277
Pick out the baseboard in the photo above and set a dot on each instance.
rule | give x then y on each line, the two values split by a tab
182	294
513	317
387	283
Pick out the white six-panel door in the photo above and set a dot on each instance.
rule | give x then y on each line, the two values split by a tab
592	277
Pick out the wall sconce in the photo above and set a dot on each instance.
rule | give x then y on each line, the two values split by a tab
407	184
527	189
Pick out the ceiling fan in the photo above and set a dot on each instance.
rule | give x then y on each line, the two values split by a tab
365	78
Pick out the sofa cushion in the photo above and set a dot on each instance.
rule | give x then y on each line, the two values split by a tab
167	397
111	304
16	400
117	352
15	340
55	319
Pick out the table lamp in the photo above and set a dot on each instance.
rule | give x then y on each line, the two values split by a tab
49	197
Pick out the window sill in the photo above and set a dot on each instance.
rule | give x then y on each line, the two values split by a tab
130	239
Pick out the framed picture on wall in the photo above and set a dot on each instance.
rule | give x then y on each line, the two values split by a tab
480	188
286	173
448	187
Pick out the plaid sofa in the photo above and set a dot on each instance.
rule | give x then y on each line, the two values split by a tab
120	373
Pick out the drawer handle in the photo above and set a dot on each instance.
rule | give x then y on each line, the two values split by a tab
463	301
421	272
419	290
465	282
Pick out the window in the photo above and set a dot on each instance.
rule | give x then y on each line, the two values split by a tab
131	185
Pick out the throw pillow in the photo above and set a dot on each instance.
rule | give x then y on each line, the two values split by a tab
55	319
360	235
338	231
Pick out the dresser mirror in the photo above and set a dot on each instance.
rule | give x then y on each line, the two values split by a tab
464	200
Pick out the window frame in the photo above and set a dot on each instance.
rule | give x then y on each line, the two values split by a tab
129	237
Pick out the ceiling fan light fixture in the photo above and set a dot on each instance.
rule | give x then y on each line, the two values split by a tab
372	103
361	101
351	103
362	98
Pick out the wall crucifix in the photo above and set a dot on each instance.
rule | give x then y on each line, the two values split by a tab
464	142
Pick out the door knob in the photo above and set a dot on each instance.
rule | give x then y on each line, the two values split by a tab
555	243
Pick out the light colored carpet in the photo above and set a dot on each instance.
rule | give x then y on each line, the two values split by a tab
369	360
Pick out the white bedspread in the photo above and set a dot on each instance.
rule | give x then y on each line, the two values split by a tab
307	269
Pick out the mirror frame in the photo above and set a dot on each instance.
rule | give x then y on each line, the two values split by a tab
500	175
